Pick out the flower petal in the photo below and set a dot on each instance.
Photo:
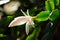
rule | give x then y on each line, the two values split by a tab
18	21
32	24
4	1
27	28
23	12
28	12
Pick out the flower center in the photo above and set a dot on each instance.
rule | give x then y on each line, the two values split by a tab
28	18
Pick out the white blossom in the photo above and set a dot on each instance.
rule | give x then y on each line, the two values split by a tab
11	7
23	19
3	1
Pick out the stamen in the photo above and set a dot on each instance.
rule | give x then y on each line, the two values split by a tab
23	12
27	12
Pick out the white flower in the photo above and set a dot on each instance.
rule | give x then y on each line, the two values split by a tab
3	1
11	7
23	19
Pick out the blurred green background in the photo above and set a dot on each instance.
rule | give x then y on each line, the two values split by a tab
42	31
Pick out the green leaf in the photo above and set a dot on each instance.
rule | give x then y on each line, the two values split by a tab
56	2
43	16
51	0
47	6
52	5
30	38
54	15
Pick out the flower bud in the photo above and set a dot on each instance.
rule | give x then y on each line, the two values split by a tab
11	7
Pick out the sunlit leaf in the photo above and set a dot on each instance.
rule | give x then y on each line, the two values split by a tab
47	6
52	5
43	16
